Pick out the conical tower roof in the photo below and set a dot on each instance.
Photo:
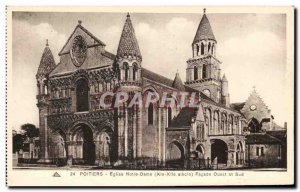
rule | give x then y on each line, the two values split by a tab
224	78
204	30
128	44
177	83
47	63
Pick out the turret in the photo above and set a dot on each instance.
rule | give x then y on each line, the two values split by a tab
204	41
129	58
177	83
225	93
47	64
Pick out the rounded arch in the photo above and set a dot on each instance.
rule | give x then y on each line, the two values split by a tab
208	118
134	71
239	155
200	151
195	72
216	121
224	123
84	149
80	73
207	92
230	124
58	146
82	94
202	48
175	151
126	70
219	151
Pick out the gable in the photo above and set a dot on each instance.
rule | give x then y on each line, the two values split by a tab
95	55
260	112
90	39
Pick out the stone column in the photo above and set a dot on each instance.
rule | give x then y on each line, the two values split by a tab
163	125
134	125
159	135
139	132
121	149
44	137
70	149
200	72
192	74
126	130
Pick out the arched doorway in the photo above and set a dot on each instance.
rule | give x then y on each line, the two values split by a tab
175	154
254	125
219	151
58	145
84	145
82	95
239	154
200	151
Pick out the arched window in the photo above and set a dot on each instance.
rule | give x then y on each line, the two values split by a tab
224	122
204	72
202	49
212	48
134	71
169	116
216	122
208	119
195	73
126	70
197	49
82	94
209	45
150	114
206	92
230	131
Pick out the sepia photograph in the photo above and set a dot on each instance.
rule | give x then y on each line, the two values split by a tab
198	93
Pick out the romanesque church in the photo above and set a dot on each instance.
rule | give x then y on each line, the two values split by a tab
75	130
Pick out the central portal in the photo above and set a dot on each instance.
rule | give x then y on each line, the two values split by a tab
85	147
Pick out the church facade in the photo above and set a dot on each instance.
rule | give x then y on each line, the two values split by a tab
75	129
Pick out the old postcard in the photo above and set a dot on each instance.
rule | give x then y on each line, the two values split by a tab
150	96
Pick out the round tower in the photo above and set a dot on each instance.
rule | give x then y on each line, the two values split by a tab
128	58
47	64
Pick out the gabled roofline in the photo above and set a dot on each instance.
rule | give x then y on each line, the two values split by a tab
86	31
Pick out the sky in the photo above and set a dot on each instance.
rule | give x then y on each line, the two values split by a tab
251	47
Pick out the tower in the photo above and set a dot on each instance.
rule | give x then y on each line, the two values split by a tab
225	93
47	64
128	58
203	69
128	67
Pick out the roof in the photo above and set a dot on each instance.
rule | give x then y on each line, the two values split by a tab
79	26
279	134
237	106
128	44
168	82
47	63
184	117
204	30
261	138
177	83
95	59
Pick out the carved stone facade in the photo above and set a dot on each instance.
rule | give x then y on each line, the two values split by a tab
75	128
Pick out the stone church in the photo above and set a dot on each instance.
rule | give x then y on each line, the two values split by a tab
76	130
